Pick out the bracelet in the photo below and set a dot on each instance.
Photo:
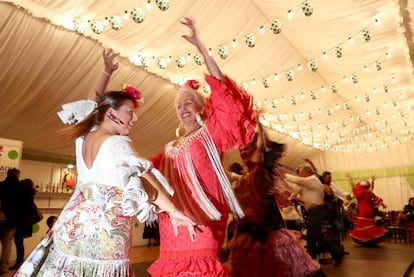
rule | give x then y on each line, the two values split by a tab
106	73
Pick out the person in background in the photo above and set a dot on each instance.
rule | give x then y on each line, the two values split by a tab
26	219
92	234
262	246
312	196
365	231
235	172
151	233
326	178
408	211
50	221
10	204
193	164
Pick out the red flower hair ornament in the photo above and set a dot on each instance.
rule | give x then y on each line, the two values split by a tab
134	93
190	84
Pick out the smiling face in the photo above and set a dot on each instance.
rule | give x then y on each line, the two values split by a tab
187	107
126	117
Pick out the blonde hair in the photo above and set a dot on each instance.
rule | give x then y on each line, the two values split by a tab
198	97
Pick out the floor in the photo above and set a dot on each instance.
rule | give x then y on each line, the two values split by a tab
390	259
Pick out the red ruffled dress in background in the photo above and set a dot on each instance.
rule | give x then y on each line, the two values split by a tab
202	190
365	231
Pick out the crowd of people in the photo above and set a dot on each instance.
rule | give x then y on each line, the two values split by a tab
185	193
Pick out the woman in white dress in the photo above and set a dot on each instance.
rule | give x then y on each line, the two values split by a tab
92	235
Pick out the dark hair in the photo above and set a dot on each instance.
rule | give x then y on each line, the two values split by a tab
325	173
13	172
28	182
50	219
236	168
110	99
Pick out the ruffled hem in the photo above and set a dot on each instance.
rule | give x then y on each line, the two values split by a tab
59	264
282	254
189	266
366	231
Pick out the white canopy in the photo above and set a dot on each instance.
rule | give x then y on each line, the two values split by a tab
348	103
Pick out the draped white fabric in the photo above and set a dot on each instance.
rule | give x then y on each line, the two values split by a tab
45	65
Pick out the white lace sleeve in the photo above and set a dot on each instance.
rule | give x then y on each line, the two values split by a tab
75	112
131	168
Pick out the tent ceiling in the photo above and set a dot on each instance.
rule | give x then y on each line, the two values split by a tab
361	101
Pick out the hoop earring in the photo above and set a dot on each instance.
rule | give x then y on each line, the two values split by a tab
177	131
199	119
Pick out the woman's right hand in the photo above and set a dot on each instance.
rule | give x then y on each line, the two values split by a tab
177	219
110	56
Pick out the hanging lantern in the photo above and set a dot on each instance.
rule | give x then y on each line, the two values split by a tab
223	51
378	65
145	61
306	8
97	26
364	34
289	75
334	88
163	4
198	58
354	78
266	82
274	103
244	86
180	61
116	22
313	65
257	105
80	26
250	40
276	26
162	63
138	14
206	89
338	51
313	95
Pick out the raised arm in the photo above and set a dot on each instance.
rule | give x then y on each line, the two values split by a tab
351	180
373	178
111	64
309	161
195	39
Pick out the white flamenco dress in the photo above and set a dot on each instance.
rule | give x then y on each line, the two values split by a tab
92	236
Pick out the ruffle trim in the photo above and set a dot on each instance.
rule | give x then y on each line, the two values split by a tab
62	264
230	110
282	254
189	266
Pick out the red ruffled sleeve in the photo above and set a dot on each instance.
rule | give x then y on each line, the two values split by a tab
231	118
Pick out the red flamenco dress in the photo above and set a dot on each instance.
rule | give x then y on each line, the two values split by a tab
365	231
193	167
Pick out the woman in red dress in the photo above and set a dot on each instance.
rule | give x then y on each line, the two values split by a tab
192	164
365	231
262	245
